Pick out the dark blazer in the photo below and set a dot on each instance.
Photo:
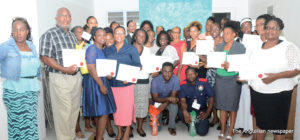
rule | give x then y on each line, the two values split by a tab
129	39
236	48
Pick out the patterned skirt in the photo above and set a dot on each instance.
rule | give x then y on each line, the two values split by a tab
141	99
21	114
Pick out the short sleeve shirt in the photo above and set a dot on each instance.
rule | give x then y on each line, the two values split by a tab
53	41
200	91
162	88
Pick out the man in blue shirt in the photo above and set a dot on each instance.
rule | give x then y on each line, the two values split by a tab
164	89
193	96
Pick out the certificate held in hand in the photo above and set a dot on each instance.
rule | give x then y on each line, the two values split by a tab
106	67
72	56
236	62
128	73
216	59
204	46
190	58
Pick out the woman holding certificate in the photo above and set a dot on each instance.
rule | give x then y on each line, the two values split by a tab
195	29
20	67
122	90
227	88
271	94
165	49
98	100
142	87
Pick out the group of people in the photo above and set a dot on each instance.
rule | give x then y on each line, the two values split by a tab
180	89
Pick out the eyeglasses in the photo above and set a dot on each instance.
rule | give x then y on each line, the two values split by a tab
272	28
65	16
163	39
175	32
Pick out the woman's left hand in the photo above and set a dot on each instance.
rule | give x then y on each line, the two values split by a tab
271	77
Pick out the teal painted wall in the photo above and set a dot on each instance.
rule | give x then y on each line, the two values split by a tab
170	13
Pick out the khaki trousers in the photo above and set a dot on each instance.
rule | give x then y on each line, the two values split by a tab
65	91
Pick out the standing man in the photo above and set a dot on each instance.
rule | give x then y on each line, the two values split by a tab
131	27
64	82
164	89
196	95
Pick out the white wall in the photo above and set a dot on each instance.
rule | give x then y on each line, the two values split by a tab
102	7
237	8
287	10
80	10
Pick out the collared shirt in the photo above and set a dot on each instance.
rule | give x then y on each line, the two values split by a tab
201	91
53	41
127	55
162	88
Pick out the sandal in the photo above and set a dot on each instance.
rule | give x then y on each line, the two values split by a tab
221	136
79	134
90	130
228	138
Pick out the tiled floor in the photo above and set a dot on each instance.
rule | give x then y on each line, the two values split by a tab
182	134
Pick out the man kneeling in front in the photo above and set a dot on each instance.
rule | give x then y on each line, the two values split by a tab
193	95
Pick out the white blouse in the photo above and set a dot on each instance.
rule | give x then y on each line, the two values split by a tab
142	74
283	57
171	52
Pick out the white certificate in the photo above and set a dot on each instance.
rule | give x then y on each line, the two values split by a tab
252	42
236	62
128	73
216	59
147	62
190	58
204	46
106	67
158	61
72	56
86	36
251	72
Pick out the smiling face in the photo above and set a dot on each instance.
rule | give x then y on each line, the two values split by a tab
19	31
92	22
63	18
175	33
208	25
146	27
100	37
163	41
119	35
215	30
246	27
140	37
191	75
228	35
194	32
151	36
272	31
109	39
131	27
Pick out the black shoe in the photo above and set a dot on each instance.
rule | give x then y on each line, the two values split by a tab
142	135
131	134
219	127
112	135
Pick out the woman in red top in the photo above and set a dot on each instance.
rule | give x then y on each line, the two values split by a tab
180	47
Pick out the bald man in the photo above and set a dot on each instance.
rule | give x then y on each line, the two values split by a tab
64	82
